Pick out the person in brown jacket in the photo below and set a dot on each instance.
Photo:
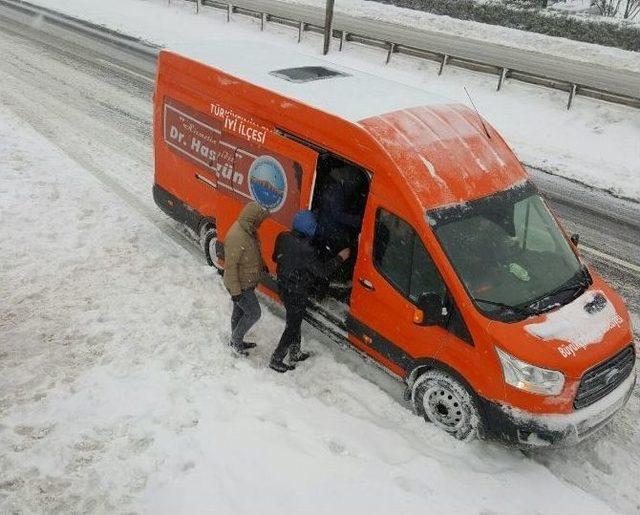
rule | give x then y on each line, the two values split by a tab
244	269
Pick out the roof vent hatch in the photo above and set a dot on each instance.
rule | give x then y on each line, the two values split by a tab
307	73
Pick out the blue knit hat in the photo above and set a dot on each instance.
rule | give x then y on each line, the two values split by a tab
305	222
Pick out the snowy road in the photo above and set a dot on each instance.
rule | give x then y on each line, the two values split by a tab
96	113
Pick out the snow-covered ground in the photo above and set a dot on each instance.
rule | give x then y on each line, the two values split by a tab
594	143
586	9
118	393
596	54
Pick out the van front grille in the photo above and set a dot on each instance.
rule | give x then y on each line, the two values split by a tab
604	378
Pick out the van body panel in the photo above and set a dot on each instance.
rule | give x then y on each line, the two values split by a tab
227	132
386	314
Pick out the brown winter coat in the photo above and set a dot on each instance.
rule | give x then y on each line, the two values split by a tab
243	263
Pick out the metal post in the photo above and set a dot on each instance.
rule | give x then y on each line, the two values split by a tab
392	48
503	75
197	6
445	58
263	21
572	93
300	31
343	38
328	26
229	10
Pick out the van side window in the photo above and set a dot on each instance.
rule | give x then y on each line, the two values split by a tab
401	258
425	277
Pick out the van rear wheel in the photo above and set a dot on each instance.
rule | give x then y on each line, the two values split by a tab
209	240
443	400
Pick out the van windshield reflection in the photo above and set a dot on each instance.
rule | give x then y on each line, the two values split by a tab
510	253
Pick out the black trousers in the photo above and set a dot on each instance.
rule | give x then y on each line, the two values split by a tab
291	337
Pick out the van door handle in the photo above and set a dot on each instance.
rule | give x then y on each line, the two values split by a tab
366	283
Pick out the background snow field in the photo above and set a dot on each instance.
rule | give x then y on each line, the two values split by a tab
597	54
118	393
594	143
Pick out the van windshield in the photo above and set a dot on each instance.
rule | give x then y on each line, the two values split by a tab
510	253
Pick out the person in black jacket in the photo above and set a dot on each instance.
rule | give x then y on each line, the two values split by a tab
341	209
298	269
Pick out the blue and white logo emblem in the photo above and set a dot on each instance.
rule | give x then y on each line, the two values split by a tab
268	183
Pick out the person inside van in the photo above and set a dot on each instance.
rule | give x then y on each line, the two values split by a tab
299	267
341	209
244	269
340	214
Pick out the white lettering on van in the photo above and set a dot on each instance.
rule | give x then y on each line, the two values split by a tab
247	128
176	135
226	172
238	178
218	111
571	348
230	124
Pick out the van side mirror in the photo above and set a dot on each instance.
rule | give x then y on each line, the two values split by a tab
431	310
575	239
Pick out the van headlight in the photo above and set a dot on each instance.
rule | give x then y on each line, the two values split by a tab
528	377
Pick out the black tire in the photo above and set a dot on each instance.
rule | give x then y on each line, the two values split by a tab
447	403
208	241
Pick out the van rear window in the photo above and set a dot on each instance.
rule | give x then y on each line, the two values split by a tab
307	73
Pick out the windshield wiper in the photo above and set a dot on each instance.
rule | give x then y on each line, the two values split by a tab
578	288
520	310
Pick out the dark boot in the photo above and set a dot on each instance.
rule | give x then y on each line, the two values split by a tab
299	356
247	345
280	366
238	350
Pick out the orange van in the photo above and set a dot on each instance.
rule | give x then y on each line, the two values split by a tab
465	288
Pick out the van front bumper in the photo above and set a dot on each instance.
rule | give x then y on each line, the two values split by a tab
526	430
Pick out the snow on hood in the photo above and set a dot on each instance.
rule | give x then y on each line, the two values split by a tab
577	327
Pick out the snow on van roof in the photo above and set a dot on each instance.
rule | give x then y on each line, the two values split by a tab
350	94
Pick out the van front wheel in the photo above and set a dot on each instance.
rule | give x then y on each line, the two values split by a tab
446	402
209	239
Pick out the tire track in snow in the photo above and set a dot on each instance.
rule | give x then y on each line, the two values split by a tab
65	124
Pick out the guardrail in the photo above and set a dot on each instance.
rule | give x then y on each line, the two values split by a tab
570	75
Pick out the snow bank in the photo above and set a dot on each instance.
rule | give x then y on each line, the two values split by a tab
118	394
595	143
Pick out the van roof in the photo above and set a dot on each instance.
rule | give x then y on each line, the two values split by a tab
439	146
445	153
352	95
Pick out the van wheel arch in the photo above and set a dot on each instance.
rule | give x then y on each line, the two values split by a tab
205	224
434	365
208	241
